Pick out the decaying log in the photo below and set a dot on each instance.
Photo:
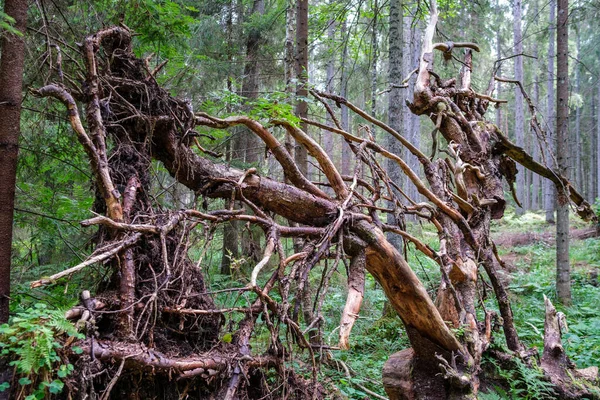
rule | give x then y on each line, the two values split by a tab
556	364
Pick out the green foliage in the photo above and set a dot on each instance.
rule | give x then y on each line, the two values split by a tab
274	106
32	342
525	382
535	278
163	25
6	24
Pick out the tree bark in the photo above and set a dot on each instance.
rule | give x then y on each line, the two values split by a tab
11	81
577	147
345	116
499	71
395	106
230	250
519	114
328	137
549	189
252	143
415	48
374	60
563	271
535	142
591	175
301	155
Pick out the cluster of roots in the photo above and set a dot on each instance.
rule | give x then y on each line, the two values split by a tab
152	331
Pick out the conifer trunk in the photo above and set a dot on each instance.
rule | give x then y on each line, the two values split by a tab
549	189
11	80
519	115
563	271
395	106
301	155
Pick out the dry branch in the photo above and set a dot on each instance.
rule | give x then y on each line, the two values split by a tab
106	255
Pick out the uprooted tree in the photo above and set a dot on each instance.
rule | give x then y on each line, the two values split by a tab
157	327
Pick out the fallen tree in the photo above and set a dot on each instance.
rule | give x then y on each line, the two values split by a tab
157	319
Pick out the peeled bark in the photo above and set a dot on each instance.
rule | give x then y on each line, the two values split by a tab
356	293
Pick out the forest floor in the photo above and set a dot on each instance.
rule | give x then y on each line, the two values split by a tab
527	246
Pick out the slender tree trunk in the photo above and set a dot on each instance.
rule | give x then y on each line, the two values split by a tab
598	144
374	59
519	115
250	84
345	116
563	271
577	148
499	72
395	113
290	22
535	183
329	138
549	192
415	139
11	80
301	155
230	229
591	192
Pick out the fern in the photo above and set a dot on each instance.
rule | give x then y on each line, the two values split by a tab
528	383
31	342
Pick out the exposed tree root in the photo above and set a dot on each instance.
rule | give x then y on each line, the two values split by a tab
154	316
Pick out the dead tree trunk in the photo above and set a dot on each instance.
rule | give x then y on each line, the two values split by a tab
159	298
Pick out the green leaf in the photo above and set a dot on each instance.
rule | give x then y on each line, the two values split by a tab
56	386
24	381
227	338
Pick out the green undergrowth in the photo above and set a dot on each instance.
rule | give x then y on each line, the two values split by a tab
532	276
535	277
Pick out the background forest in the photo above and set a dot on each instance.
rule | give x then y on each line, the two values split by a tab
260	58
